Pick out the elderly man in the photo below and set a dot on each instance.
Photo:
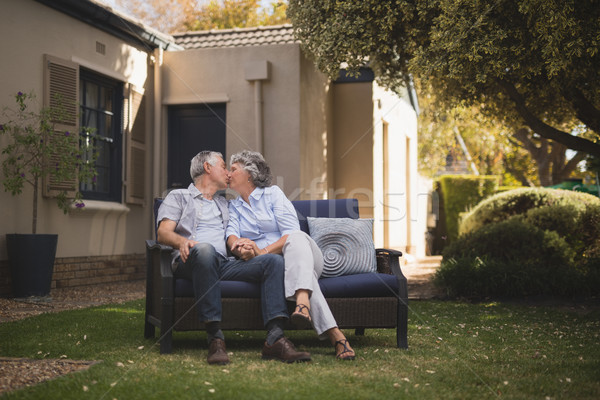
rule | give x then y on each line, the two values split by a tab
193	221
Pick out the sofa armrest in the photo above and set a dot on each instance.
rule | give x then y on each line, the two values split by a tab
392	259
386	258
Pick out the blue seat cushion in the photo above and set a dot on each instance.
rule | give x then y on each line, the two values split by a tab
359	285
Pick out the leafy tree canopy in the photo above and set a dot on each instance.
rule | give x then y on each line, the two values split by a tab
226	14
532	62
193	15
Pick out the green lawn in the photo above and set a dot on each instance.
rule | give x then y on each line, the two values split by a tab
457	351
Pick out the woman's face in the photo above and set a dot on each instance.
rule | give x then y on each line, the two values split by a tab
240	178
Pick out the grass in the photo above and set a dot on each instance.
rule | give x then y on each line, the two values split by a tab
457	351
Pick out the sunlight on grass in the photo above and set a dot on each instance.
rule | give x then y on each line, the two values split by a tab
457	351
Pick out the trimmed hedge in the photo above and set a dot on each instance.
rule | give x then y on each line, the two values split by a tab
526	242
519	201
461	192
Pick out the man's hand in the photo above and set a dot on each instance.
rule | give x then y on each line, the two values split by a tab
244	249
184	248
166	235
246	253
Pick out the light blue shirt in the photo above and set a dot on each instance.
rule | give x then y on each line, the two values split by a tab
210	229
184	206
268	217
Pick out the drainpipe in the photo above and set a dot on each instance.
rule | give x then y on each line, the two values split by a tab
258	115
257	72
156	158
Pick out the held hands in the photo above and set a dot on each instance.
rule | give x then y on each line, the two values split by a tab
246	249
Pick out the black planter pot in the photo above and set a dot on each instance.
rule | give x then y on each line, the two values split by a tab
31	260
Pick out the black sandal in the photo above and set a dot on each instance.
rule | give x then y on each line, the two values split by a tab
344	343
301	320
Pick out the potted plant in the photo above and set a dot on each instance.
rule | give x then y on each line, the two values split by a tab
34	150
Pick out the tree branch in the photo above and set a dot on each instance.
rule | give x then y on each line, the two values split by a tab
543	129
584	109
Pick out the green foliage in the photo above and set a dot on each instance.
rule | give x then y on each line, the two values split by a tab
519	201
227	14
518	351
460	193
510	258
531	62
488	142
34	149
526	242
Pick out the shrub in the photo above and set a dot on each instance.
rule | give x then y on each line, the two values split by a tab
504	205
526	242
461	192
509	258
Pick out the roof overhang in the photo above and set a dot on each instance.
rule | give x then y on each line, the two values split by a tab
117	24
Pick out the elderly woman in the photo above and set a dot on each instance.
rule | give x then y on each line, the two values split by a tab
262	220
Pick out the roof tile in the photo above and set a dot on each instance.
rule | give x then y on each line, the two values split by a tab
237	37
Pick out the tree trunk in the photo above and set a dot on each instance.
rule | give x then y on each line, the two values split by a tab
550	158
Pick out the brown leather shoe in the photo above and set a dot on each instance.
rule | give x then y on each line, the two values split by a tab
217	355
284	351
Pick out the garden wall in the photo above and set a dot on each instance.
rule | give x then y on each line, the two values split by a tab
85	271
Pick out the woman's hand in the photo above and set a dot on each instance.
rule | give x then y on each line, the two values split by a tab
246	249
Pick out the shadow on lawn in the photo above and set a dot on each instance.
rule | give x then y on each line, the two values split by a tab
253	341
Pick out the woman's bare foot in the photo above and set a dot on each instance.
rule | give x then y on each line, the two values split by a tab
343	350
301	315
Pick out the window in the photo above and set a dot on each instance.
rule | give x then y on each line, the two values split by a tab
101	101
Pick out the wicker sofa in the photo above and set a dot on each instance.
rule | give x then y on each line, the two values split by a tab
371	300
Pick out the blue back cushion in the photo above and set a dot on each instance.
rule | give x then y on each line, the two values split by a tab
360	285
338	208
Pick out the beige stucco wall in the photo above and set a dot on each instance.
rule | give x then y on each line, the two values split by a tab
352	153
315	115
218	75
396	191
30	30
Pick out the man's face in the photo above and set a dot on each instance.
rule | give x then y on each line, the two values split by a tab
220	174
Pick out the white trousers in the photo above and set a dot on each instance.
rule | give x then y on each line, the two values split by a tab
303	267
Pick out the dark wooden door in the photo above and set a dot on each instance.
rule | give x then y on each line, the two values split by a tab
192	128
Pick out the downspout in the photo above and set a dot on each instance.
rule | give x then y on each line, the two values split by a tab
258	115
156	158
258	71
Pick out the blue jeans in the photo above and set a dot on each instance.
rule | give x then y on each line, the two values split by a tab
206	268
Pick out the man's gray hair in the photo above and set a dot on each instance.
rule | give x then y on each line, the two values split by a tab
197	164
254	163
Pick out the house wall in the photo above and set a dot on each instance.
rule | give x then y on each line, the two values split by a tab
315	115
397	185
352	154
218	75
102	229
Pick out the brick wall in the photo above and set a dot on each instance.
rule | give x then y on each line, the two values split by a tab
84	271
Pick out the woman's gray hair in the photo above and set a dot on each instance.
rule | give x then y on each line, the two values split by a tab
197	164
254	163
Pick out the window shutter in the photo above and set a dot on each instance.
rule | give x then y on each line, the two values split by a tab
61	88
135	131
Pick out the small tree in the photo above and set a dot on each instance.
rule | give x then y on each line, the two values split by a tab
37	151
